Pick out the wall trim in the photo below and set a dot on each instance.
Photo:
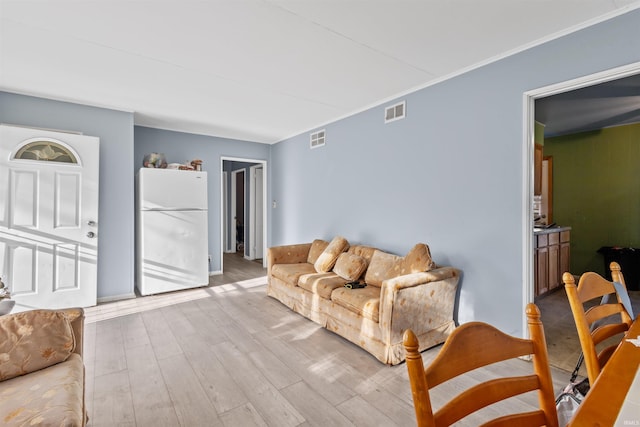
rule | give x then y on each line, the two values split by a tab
121	297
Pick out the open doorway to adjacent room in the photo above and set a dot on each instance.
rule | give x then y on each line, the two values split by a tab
574	117
244	215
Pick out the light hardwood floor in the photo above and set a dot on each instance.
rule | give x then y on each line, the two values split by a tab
228	355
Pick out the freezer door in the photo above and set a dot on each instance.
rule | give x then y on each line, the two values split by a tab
171	189
172	251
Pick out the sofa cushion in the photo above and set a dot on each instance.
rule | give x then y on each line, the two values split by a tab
290	273
33	340
350	266
383	266
364	302
317	247
321	284
417	260
51	396
329	256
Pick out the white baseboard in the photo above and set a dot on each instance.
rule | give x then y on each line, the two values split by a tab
116	298
215	273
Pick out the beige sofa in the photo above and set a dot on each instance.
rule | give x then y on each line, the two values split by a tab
41	368
401	293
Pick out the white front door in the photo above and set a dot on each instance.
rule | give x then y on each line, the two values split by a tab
48	217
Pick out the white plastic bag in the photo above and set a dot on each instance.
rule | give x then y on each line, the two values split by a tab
569	400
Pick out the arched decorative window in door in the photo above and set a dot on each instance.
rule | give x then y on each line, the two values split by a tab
45	150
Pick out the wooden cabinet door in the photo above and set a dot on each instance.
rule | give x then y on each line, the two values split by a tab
542	270
554	266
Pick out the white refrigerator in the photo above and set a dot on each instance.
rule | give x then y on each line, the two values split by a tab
171	230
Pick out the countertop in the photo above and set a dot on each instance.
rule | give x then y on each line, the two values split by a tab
555	229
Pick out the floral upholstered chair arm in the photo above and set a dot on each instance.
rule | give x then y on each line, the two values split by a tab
287	254
76	317
417	301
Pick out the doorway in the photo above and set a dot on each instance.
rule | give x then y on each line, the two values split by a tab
237	210
530	98
244	213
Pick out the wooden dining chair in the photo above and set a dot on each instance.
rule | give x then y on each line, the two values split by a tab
597	323
616	274
471	346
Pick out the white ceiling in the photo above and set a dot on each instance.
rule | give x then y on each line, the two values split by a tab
262	70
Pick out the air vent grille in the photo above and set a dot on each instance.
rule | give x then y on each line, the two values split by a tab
395	112
317	139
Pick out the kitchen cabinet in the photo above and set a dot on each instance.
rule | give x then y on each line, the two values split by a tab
551	258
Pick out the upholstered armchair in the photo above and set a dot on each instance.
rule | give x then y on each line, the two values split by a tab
41	368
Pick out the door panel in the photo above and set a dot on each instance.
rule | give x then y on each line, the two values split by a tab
23	198
49	206
67	200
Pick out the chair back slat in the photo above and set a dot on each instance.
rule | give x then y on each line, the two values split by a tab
535	418
483	395
470	351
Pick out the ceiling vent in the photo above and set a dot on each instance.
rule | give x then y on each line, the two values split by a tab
317	139
395	112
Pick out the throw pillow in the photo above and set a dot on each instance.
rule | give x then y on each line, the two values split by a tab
383	266
316	249
329	256
417	260
33	340
350	266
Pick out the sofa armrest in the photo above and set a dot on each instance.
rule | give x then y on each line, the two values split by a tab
418	301
76	318
287	254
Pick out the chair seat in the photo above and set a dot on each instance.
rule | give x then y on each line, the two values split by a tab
364	301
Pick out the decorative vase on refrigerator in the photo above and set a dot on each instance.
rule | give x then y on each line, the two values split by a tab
172	233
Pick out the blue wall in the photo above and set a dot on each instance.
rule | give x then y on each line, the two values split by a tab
115	129
181	147
450	174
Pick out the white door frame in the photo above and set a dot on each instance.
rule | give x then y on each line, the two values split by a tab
225	206
529	99
264	205
254	217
